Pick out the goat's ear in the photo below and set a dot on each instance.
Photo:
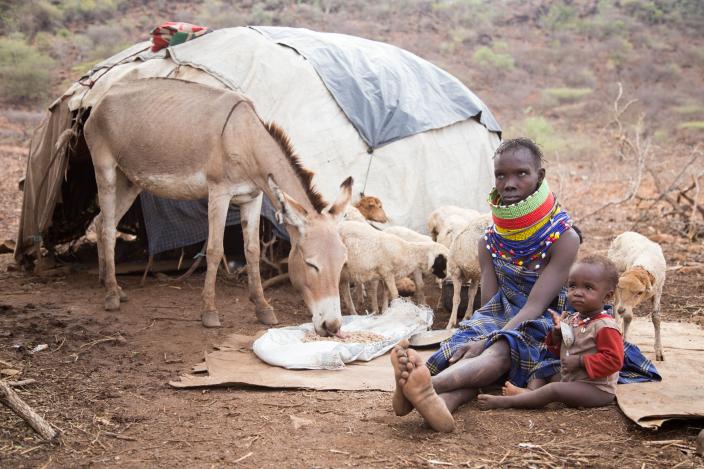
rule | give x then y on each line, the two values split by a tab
292	213
343	199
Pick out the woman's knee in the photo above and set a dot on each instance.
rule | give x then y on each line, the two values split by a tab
498	350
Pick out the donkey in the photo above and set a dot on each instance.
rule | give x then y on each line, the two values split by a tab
184	140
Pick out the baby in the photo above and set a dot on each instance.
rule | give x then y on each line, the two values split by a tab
589	344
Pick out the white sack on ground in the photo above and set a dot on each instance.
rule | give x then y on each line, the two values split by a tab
284	346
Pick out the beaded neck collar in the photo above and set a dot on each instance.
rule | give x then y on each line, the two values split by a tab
523	232
522	208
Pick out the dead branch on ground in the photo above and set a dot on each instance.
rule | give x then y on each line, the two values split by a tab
10	398
193	267
674	195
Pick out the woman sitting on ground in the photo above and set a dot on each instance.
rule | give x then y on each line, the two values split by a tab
589	344
524	258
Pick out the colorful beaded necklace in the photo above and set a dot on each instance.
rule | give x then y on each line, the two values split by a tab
524	231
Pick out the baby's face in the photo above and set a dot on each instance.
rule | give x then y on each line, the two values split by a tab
588	289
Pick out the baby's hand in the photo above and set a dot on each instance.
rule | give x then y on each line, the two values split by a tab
557	320
571	363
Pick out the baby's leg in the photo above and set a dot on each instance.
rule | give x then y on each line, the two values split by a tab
511	389
574	394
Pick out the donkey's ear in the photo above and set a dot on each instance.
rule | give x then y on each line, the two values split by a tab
343	199
292	213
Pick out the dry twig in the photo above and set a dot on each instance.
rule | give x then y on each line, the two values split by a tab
18	406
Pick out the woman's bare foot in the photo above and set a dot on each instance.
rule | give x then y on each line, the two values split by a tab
399	361
489	401
512	390
418	389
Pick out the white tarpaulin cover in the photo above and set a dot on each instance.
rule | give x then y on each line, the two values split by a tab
284	346
412	176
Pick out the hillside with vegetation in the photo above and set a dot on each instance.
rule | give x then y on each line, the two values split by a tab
548	69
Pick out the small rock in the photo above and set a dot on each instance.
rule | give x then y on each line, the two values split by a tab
39	348
700	444
299	422
9	372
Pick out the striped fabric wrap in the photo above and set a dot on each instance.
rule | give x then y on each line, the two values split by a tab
174	32
529	355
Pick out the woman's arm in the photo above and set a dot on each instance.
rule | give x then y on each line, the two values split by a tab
562	256
489	283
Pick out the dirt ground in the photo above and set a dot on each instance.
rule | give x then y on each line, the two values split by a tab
103	379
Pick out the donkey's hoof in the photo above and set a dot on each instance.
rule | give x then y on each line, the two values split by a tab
112	303
122	294
267	316
210	319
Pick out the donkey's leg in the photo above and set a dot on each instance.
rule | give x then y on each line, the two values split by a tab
125	193
218	203
250	213
100	247
656	324
106	181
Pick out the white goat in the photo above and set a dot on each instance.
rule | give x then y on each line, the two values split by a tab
445	220
642	265
463	264
414	237
377	255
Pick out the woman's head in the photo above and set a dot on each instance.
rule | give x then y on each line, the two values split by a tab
591	284
518	170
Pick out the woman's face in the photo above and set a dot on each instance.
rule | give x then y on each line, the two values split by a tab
516	175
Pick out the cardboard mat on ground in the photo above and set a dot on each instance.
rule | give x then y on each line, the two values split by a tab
680	394
234	364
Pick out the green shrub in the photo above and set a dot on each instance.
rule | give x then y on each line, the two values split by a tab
560	17
107	39
566	95
216	14
35	16
90	10
697	125
541	131
486	57
689	109
25	73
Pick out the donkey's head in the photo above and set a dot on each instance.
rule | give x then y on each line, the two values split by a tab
317	255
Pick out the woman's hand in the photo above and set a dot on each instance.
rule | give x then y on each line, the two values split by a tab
469	350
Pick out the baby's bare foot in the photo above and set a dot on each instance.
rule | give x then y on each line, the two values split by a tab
511	389
418	389
488	401
399	361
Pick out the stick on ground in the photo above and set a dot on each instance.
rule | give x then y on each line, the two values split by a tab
18	406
